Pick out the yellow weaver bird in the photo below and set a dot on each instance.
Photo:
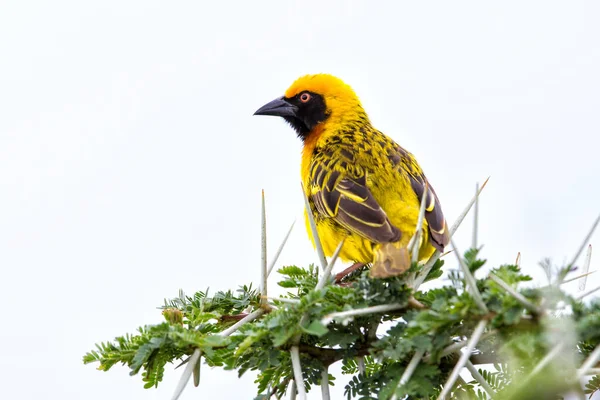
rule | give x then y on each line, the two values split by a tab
361	185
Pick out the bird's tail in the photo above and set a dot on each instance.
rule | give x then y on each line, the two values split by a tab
389	260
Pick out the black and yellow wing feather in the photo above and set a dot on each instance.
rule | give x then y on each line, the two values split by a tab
405	163
339	190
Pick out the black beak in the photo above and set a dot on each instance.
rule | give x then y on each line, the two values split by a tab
278	107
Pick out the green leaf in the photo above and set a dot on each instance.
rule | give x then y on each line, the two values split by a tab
316	328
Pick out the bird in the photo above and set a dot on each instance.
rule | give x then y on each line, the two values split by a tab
362	187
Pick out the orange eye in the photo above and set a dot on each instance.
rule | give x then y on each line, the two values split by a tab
305	97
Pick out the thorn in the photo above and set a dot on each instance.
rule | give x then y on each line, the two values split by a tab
467	209
327	272
414	243
436	255
444	254
578	277
589	362
518	296
586	268
582	295
466	353
361	311
580	250
410	369
197	374
475	216
263	245
297	367
287	236
313	228
360	363
187	373
480	379
325	383
471	282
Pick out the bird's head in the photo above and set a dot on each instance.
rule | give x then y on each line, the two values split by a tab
313	100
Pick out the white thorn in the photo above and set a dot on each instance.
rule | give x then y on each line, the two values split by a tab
589	362
585	241
410	369
263	253
278	253
466	354
315	233
360	363
480	379
248	318
414	243
466	210
325	384
586	268
187	373
327	272
361	311
297	367
475	216
518	296
582	295
436	255
471	282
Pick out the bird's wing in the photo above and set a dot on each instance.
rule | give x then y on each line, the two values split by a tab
438	229
342	194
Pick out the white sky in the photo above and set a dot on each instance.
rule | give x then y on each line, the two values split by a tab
131	165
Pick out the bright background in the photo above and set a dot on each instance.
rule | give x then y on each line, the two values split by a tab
131	165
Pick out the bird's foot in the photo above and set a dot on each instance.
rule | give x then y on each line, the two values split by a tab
348	271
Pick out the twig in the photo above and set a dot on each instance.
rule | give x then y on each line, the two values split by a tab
471	282
263	252
518	260
278	253
361	311
436	255
466	354
589	362
480	379
297	367
586	268
313	228
518	296
475	217
410	369
325	384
